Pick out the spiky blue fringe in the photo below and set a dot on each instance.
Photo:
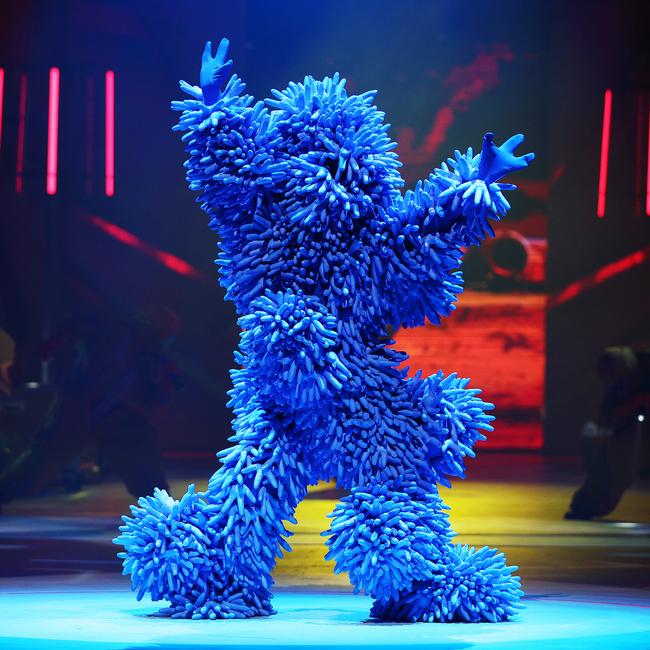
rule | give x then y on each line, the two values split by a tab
453	416
467	586
388	535
320	251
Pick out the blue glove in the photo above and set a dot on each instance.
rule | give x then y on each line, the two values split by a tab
496	162
214	71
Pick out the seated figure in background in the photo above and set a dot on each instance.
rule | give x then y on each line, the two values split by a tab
616	444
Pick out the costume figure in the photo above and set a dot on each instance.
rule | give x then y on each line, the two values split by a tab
320	251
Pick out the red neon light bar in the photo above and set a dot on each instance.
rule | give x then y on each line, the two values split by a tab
2	96
604	153
53	132
601	275
647	178
109	178
172	262
20	152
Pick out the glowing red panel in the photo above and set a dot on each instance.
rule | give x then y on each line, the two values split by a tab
604	154
20	149
53	131
109	178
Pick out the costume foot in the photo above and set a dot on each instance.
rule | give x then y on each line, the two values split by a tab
469	586
173	553
222	601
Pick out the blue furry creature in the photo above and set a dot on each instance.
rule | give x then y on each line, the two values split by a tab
320	252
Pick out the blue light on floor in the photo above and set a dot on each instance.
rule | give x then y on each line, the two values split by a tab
111	621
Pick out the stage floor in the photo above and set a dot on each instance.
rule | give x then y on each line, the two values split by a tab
109	620
586	582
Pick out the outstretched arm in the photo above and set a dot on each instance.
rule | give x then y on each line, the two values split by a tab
230	140
464	194
424	233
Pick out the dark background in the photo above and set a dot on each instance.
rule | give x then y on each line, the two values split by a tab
445	71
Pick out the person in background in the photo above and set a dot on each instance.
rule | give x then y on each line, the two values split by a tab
113	373
24	405
616	444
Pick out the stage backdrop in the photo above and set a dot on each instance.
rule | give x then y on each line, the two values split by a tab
120	229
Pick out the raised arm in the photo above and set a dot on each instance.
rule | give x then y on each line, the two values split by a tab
230	140
424	233
464	194
467	193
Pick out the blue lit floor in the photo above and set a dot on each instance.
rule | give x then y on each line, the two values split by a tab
112	621
586	582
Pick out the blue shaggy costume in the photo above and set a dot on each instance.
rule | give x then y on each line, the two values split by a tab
320	252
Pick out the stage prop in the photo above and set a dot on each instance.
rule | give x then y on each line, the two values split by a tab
320	252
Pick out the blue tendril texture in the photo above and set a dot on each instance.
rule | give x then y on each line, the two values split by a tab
321	252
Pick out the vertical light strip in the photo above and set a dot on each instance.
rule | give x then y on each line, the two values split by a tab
647	177
604	154
2	96
20	149
109	179
53	132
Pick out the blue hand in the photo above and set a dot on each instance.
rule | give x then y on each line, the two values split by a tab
214	71
496	162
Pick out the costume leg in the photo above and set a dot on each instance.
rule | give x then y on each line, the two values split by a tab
211	555
395	543
392	535
388	535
